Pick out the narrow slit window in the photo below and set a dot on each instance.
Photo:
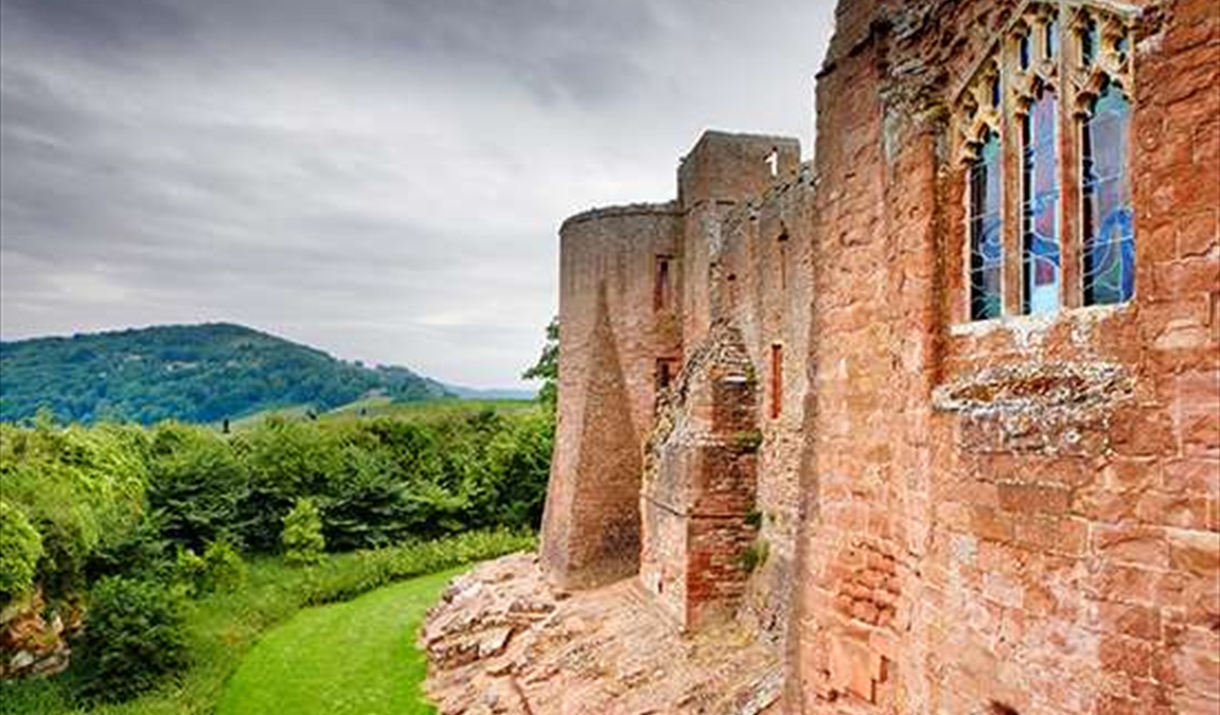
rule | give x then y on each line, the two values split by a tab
986	247
1040	206
783	260
667	370
662	288
1107	214
1023	51
777	380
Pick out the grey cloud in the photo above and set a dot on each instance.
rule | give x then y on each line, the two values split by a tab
381	179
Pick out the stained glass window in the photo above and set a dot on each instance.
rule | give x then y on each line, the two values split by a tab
1023	51
986	246
1108	217
1051	38
1088	43
1040	205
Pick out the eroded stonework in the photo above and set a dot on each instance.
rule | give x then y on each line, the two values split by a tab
504	641
781	416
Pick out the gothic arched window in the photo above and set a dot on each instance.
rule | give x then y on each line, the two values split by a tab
1040	205
1108	219
1050	101
986	240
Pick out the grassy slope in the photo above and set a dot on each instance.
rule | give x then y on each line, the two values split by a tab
224	627
354	658
383	407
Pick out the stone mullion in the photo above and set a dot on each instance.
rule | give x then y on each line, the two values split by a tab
1010	140
1071	284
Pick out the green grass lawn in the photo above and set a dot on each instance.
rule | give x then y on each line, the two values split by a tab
225	628
353	658
377	406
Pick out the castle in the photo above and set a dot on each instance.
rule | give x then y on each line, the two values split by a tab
938	412
928	425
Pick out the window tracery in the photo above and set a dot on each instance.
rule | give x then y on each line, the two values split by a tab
1052	100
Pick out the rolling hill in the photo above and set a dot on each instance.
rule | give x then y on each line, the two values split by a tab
194	373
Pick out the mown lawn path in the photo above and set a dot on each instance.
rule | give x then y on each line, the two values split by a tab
353	658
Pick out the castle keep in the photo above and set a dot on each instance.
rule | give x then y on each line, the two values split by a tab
936	414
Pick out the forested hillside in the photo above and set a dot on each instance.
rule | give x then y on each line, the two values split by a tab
195	373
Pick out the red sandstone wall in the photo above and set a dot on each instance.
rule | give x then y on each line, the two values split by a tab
764	285
700	486
1021	516
967	556
612	335
720	173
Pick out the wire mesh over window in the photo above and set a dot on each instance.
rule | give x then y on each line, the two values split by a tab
986	243
1040	205
1107	214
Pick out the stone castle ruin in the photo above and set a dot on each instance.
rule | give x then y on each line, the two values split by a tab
928	424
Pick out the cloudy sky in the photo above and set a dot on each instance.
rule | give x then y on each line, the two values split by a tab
382	179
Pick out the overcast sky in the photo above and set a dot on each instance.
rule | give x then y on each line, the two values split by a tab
381	179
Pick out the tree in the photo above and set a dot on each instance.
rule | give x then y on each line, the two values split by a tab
20	549
547	368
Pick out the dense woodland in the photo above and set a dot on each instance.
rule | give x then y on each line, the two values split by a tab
122	525
83	502
121	514
192	373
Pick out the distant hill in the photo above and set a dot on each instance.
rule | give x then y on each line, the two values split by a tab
195	373
477	393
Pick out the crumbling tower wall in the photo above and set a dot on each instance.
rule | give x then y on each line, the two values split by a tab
636	297
620	275
700	481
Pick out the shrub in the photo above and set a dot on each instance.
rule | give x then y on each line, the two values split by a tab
20	549
190	572
748	441
141	553
754	556
345	577
302	535
220	568
224	568
133	640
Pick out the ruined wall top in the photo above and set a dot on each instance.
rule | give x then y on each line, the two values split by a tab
735	167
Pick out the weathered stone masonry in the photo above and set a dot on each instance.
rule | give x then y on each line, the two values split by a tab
775	407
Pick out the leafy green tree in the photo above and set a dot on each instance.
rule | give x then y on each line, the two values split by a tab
20	549
519	464
196	484
285	460
302	537
547	368
80	489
